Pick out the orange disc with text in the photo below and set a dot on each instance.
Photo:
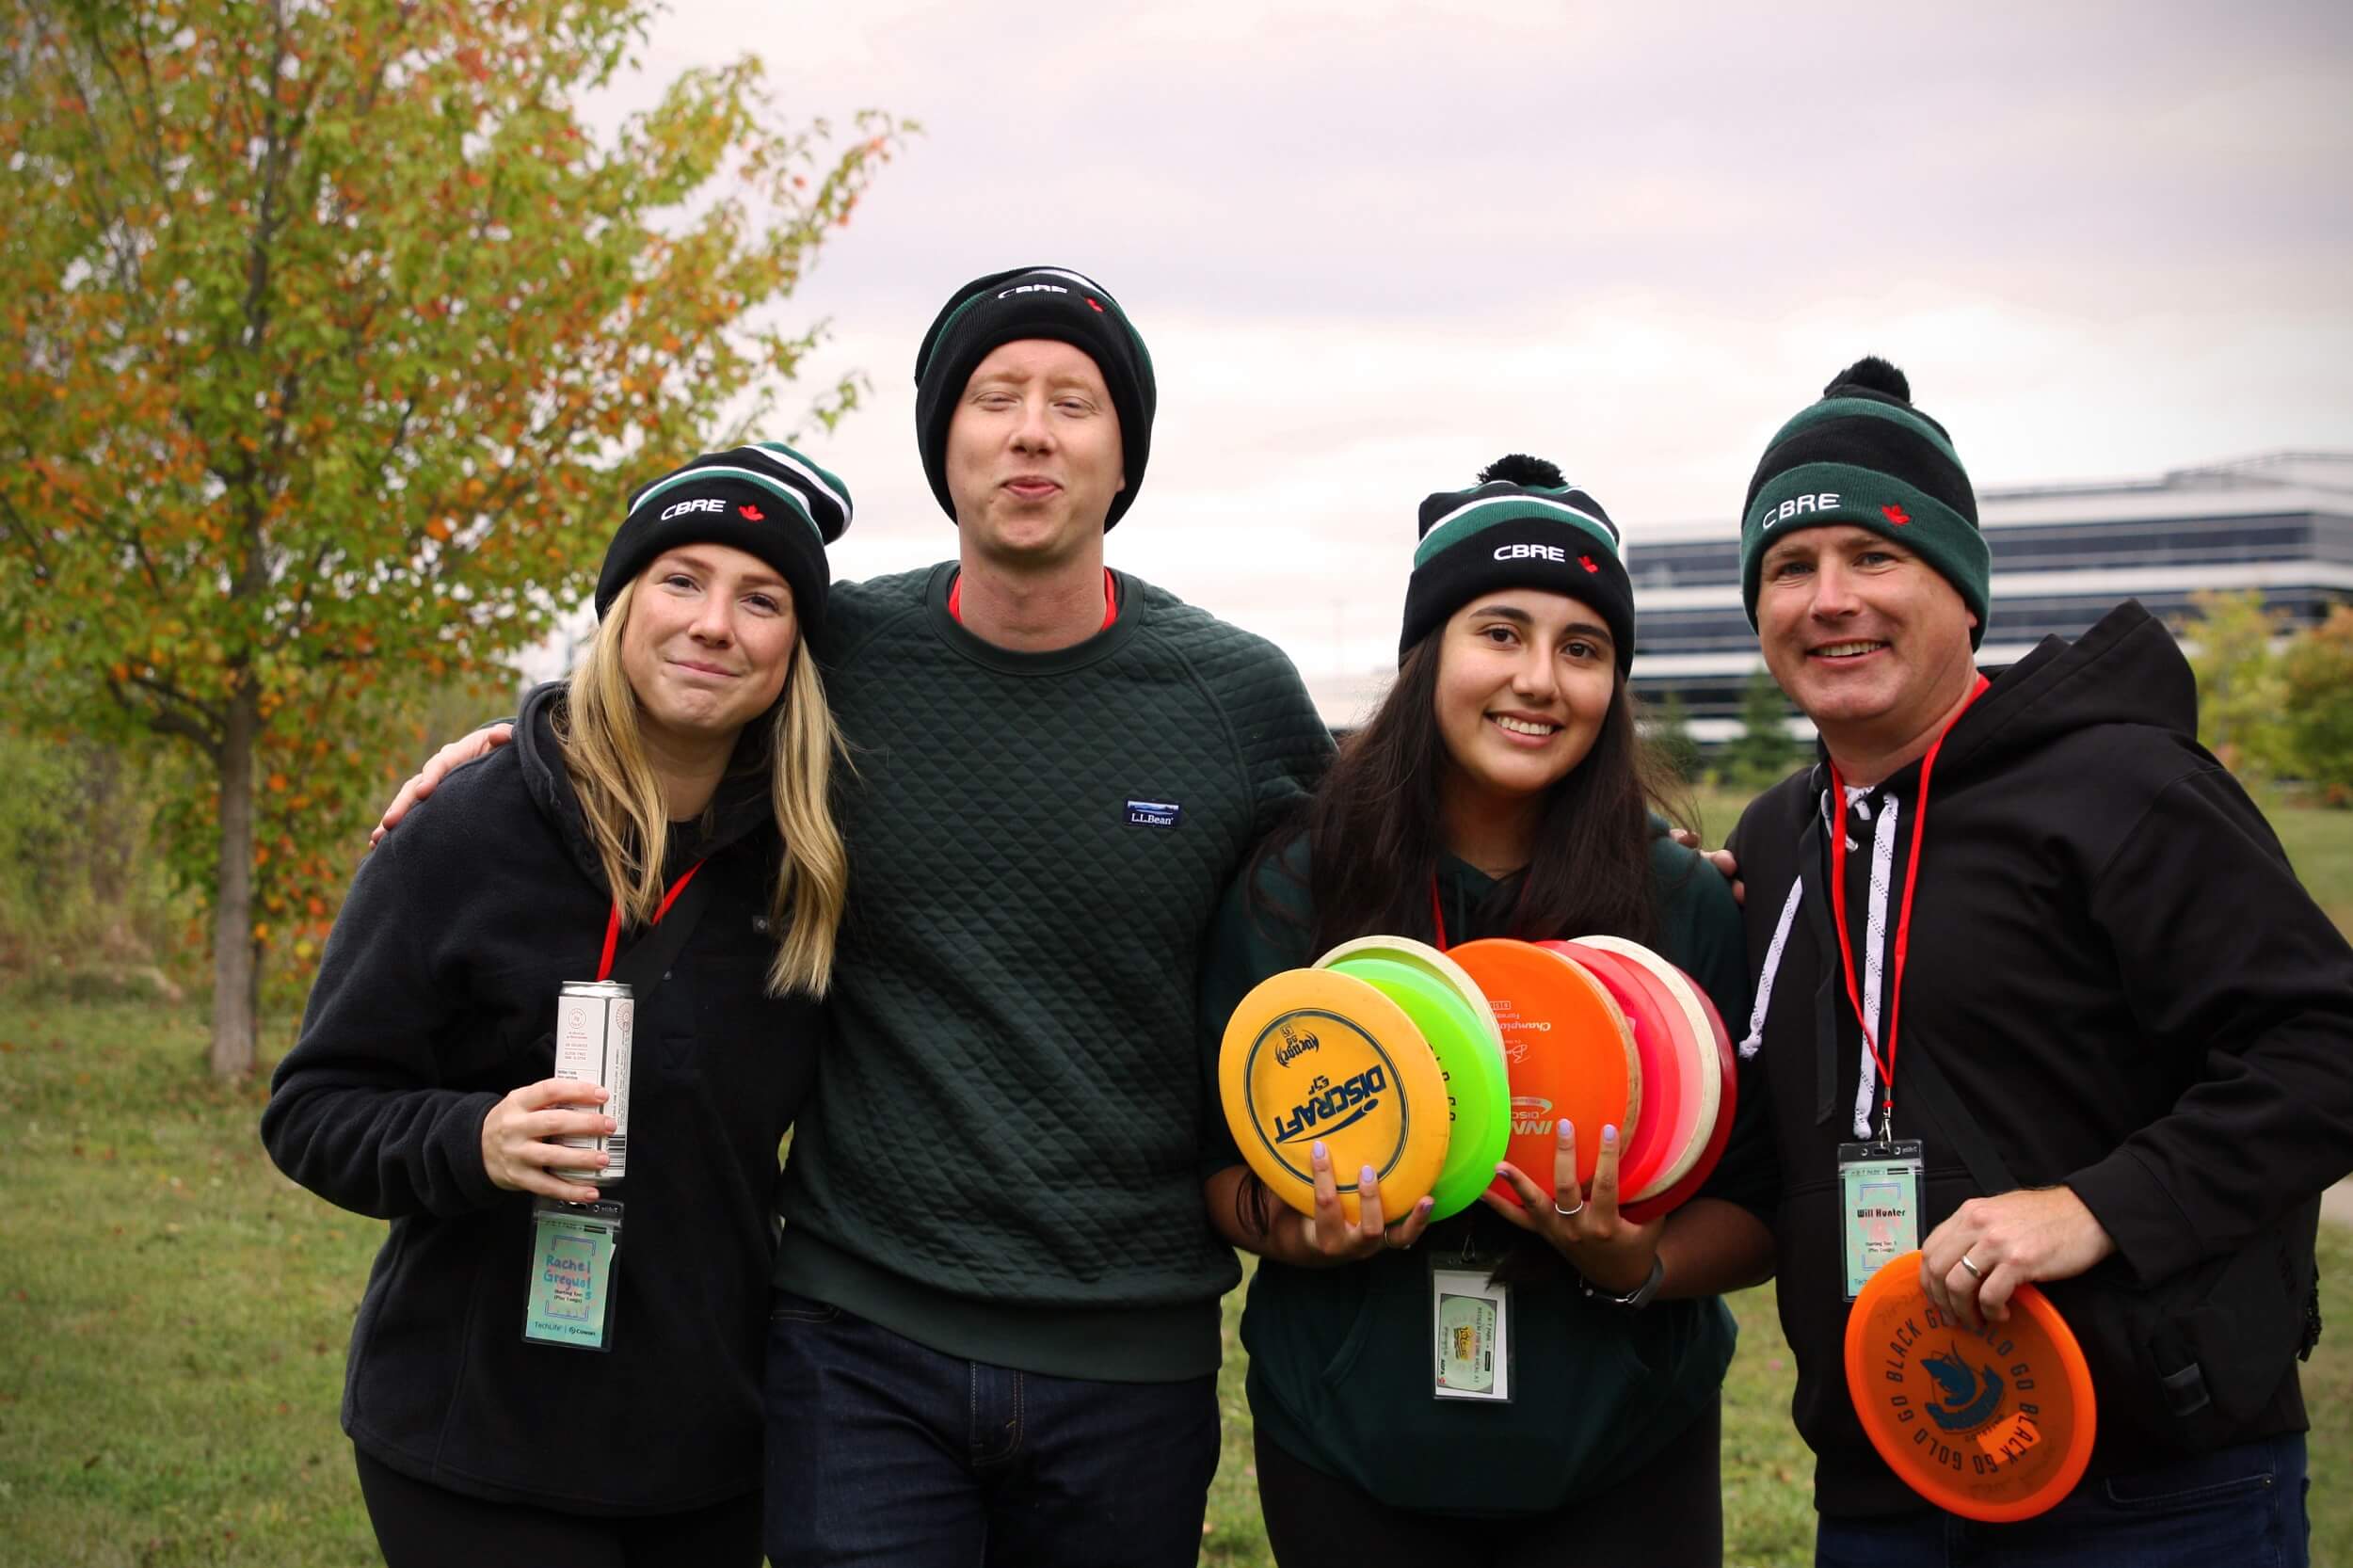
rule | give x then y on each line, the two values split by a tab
1567	1048
1993	1423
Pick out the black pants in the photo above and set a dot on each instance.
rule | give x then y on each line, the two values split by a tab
1668	1514
419	1525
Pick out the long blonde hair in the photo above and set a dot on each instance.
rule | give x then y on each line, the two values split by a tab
604	751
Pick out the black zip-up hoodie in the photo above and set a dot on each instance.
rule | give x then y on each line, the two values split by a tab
2112	971
437	996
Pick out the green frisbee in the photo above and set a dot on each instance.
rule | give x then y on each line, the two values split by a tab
1478	1090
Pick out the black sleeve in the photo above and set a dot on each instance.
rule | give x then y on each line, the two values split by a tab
358	1112
2229	964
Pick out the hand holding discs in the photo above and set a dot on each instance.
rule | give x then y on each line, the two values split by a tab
1647	1149
1313	1054
1714	1077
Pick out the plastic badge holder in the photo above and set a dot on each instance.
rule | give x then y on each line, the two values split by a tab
1310	1055
1994	1424
1478	1095
1568	1047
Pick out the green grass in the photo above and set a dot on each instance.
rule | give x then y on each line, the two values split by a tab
174	1312
173	1316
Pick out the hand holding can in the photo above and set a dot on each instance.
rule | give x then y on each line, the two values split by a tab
520	1147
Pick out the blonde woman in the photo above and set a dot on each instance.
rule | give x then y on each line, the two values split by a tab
525	1381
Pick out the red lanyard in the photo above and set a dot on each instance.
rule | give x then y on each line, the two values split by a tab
612	926
1437	916
1110	602
1904	920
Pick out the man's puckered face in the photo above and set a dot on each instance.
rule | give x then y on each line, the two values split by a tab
1867	638
1034	457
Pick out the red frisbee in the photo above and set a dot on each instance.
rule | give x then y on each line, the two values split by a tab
1719	1094
1566	1045
1662	1043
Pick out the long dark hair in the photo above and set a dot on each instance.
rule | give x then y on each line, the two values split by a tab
1373	833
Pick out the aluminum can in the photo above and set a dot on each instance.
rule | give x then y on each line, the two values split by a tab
595	1021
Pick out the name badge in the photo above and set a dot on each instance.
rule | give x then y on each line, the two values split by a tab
1878	1206
575	1261
1470	1322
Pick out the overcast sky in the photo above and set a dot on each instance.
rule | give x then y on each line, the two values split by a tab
1373	244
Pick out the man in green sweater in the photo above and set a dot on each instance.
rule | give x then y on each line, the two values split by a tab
996	1334
996	1329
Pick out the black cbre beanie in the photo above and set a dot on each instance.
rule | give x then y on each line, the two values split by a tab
1032	302
1522	526
1865	457
764	498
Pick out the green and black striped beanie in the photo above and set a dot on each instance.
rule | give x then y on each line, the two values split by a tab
1034	302
763	499
1865	456
1522	526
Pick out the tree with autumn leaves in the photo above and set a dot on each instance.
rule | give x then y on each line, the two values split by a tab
334	337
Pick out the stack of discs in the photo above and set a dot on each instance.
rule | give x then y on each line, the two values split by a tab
1431	1067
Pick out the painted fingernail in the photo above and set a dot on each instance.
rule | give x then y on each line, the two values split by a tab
1365	1178
1610	1135
1318	1149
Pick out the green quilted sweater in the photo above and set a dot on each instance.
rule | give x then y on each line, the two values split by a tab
1003	1156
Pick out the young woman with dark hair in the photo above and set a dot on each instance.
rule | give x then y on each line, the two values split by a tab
1500	790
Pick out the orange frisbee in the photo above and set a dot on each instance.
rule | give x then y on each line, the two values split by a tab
1567	1045
1993	1424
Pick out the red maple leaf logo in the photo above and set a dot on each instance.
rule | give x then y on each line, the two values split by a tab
1092	301
753	512
1894	513
1586	562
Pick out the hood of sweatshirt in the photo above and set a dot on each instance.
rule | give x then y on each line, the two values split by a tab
2127	669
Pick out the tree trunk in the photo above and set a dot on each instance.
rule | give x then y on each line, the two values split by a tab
235	1013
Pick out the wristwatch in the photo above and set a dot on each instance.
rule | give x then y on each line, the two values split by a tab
1638	1298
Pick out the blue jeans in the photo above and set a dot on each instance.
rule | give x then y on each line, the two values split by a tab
882	1451
2243	1506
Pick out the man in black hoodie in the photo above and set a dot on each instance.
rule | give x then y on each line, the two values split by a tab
2122	1031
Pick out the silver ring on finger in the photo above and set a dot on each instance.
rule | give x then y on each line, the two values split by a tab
1570	1213
1975	1273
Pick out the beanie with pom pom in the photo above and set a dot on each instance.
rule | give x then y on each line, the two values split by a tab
1865	456
1522	526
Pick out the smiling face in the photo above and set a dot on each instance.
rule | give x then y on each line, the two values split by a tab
708	643
1034	456
1866	637
1525	680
